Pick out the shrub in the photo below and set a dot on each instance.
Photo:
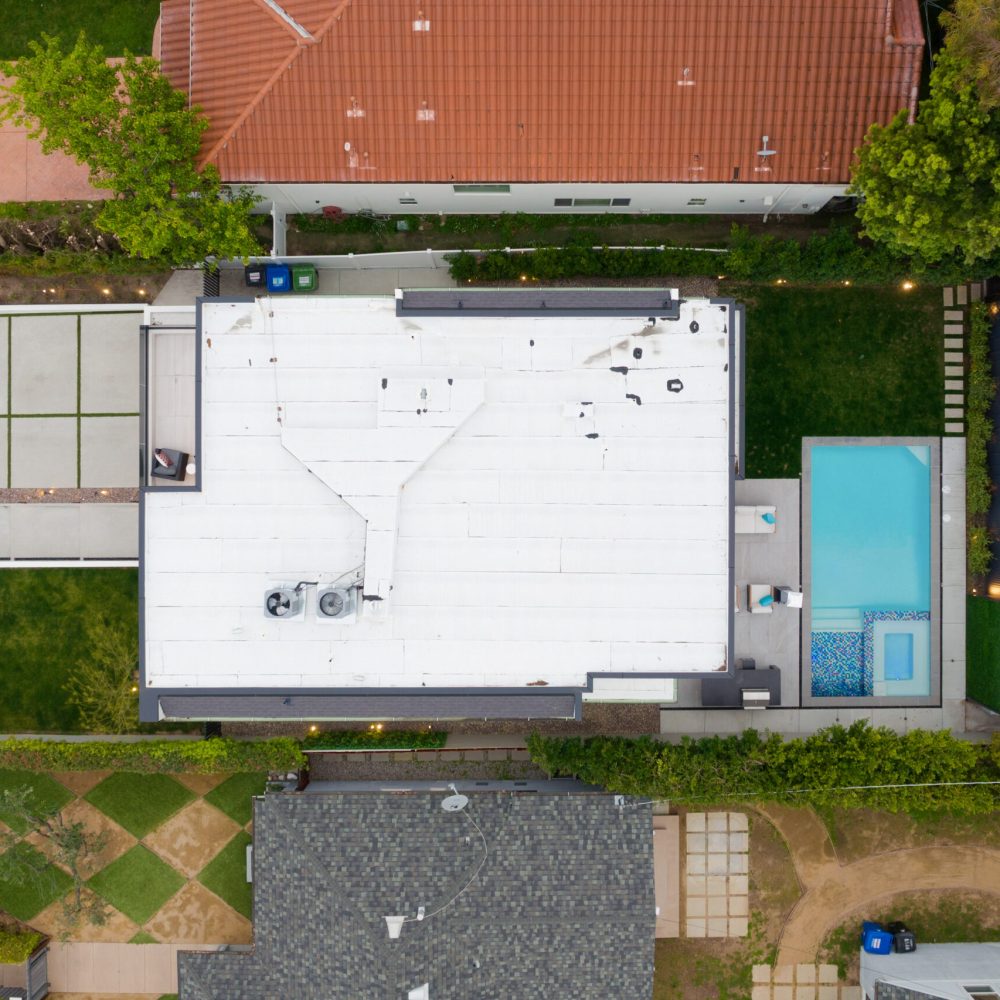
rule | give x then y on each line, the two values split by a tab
162	756
399	739
979	432
835	256
17	946
850	768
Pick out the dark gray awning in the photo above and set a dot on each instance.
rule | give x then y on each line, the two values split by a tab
318	707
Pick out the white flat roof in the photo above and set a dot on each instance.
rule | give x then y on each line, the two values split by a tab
526	499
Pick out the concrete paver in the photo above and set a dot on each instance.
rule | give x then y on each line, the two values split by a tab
109	530
109	363
4	426
43	452
43	359
109	451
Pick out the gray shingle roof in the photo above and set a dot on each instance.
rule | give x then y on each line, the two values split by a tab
562	907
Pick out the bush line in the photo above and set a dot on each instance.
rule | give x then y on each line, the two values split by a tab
979	432
816	770
398	739
210	756
824	258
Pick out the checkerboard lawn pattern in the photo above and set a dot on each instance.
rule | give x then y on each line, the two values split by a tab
28	898
226	875
140	884
234	796
46	796
139	802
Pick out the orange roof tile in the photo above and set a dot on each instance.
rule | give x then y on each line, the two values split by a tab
541	90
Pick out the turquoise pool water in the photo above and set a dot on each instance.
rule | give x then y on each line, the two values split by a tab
870	529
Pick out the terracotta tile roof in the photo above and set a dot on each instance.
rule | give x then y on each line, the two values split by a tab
559	90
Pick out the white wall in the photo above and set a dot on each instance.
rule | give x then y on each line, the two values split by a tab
720	199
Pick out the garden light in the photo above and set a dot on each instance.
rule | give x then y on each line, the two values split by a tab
781	281
846	282
105	291
907	285
314	729
135	689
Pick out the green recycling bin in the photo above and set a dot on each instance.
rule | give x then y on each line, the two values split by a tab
303	278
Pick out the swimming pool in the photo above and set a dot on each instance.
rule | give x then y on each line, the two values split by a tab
870	587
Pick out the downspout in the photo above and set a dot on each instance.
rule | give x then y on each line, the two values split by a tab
777	201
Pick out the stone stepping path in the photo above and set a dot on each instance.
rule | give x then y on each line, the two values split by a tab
800	982
956	300
717	881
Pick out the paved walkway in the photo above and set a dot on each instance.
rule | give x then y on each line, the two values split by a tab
834	891
95	967
956	301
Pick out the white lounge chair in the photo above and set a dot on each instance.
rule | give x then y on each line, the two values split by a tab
755	520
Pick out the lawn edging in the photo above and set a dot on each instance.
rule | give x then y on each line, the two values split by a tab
211	756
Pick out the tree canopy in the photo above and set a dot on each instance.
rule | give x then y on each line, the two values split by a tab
932	188
141	142
973	38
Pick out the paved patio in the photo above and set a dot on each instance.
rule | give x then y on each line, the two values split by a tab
72	415
30	175
104	531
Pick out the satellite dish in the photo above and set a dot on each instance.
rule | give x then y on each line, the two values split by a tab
765	151
455	803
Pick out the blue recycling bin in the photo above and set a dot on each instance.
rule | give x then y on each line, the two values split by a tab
875	939
279	278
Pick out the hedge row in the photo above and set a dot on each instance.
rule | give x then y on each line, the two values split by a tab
399	739
210	756
835	256
820	769
979	405
17	946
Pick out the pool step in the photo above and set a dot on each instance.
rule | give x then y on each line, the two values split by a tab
836	620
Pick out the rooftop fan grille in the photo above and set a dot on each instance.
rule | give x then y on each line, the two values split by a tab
331	603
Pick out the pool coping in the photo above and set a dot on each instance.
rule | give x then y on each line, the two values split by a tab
807	699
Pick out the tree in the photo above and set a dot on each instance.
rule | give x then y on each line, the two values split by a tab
931	189
103	688
973	38
70	845
140	140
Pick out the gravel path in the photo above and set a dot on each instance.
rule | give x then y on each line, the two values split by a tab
834	891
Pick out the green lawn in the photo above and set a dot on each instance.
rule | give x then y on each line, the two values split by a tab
115	25
982	641
46	796
26	898
42	612
226	875
138	883
233	796
139	802
142	937
838	362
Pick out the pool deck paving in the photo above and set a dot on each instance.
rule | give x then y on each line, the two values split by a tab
768	638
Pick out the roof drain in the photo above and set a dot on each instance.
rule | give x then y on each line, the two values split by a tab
289	20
